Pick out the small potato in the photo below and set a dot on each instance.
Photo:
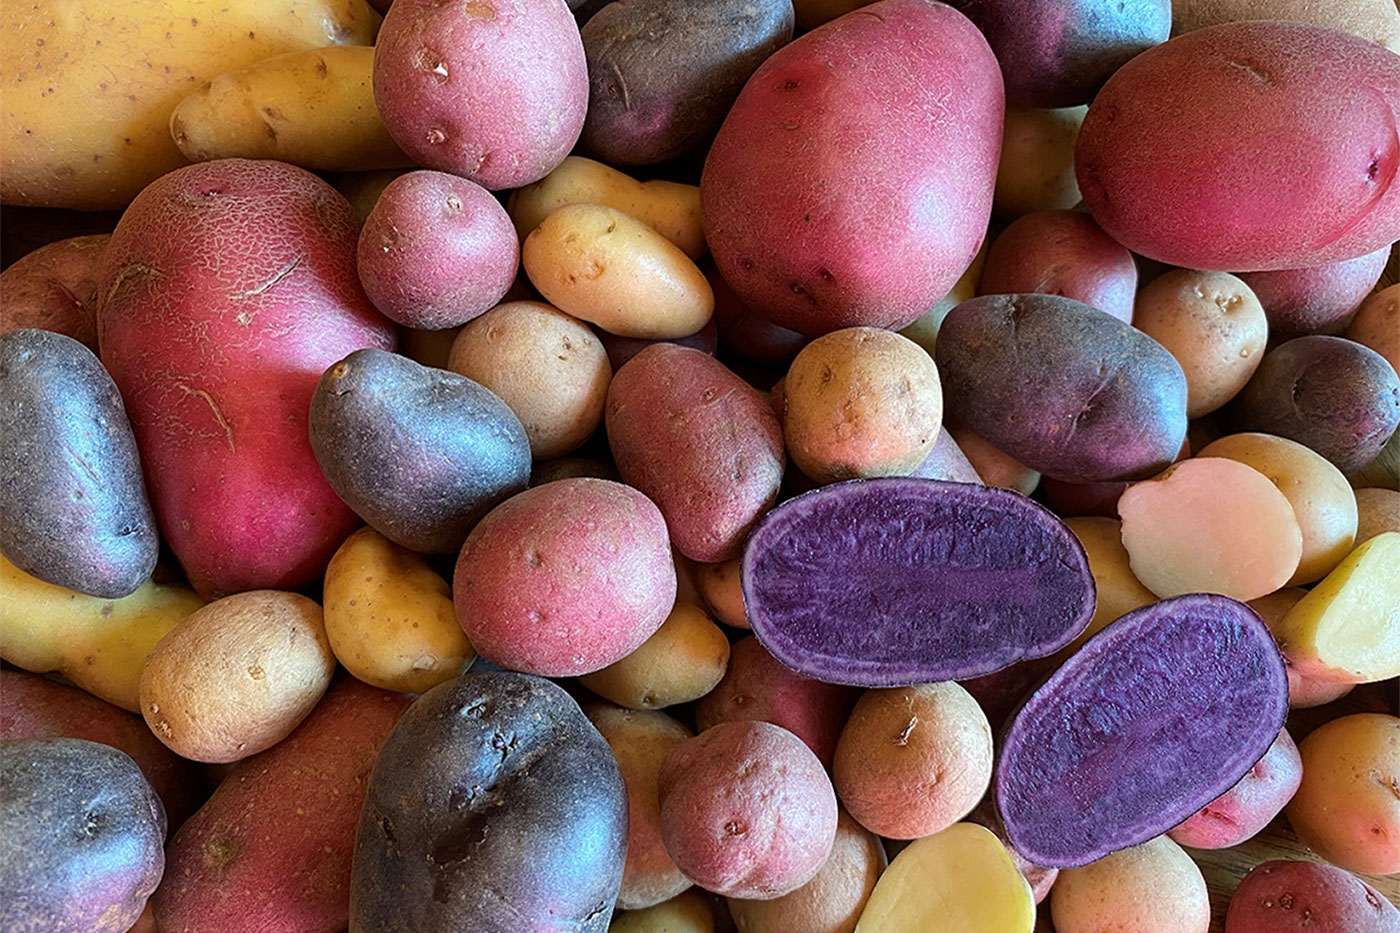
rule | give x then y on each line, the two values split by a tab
1036	171
1062	253
622	349
913	760
947	461
682	661
55	288
1318	897
1316	299
1244	810
1118	591
1214	326
1040	878
994	466
548	367
861	402
720	589
608	268
1210	525
237	676
1377	511
688	912
1304	690
1377	324
1154	887
362	189
924	329
1347	809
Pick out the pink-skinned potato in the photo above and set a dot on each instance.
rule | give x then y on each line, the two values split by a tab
1293	896
55	288
228	288
1244	810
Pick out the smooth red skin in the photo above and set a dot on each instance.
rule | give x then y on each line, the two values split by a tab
512	103
270	850
750	335
622	349
1244	810
229	287
946	461
746	810
566	578
1285	896
756	686
1062	253
1316	299
431	266
815	227
1246	147
55	288
33	707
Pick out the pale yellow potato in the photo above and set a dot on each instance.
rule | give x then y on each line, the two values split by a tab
1377	322
720	589
237	676
1375	20
995	466
1036	171
1304	691
670	208
389	616
688	912
89	87
1377	511
1150	888
960	880
608	268
99	644
1214	326
924	329
861	402
549	368
1118	591
1210	525
1322	499
1347	808
682	661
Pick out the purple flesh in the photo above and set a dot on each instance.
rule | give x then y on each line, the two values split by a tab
1155	717
898	581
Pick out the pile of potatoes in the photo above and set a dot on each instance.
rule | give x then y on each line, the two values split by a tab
519	465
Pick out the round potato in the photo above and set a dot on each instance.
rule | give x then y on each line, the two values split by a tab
1316	299
1302	897
1377	511
1377	324
682	661
1061	253
55	288
1036	171
1244	810
1154	887
719	588
1304	690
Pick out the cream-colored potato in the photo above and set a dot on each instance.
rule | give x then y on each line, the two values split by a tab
995	466
1214	326
610	269
1118	591
682	661
1348	806
235	677
1036	171
1377	323
1150	888
1322	499
1377	511
99	644
924	330
548	367
389	616
1375	20
1210	525
1304	691
688	912
720	589
669	208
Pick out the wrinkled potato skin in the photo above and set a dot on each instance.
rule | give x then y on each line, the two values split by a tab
682	661
1036	171
1377	324
1154	887
55	288
1376	20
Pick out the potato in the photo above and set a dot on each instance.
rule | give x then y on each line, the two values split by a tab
82	847
1376	324
992	466
1244	810
719	588
73	505
1346	809
1377	510
817	230
271	848
1036	171
682	661
1154	887
1297	897
1318	298
547	471
924	329
1040	878
98	644
747	334
608	268
1061	253
622	349
237	676
688	912
1376	20
946	461
389	616
1118	592
1304	690
55	288
362	189
1215	327
1252	146
746	810
86	126
662	75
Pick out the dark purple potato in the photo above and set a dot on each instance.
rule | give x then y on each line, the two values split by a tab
897	581
1156	716
1286	896
1318	298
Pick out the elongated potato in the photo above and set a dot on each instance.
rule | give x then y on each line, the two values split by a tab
682	661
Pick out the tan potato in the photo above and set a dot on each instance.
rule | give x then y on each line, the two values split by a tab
1348	808
861	402
1322	499
1036	171
237	676
688	912
924	329
1214	326
1377	511
995	466
682	661
547	366
389	616
1210	525
1377	322
1150	888
362	190
669	208
1382	472
610	269
1304	691
1118	591
1375	20
719	588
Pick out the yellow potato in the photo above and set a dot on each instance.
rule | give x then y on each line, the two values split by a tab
99	644
1150	888
669	208
682	661
1304	691
720	590
1119	592
924	330
1036	171
961	880
996	467
313	108
389	616
1377	321
688	912
1348	806
610	269
89	87
1377	510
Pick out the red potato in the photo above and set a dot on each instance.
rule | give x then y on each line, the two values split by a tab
1244	810
993	465
622	349
229	287
1317	299
55	288
1285	896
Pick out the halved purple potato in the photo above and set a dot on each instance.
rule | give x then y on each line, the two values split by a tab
1156	716
898	581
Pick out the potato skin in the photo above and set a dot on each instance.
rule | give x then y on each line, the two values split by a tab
1147	888
688	912
1377	324
55	288
1375	20
1036	171
682	661
1061	253
1317	299
1377	510
1244	810
1319	897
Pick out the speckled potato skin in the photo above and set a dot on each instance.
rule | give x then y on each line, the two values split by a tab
1149	888
1245	809
1375	20
73	506
1318	299
1377	324
495	807
55	288
76	811
1285	896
